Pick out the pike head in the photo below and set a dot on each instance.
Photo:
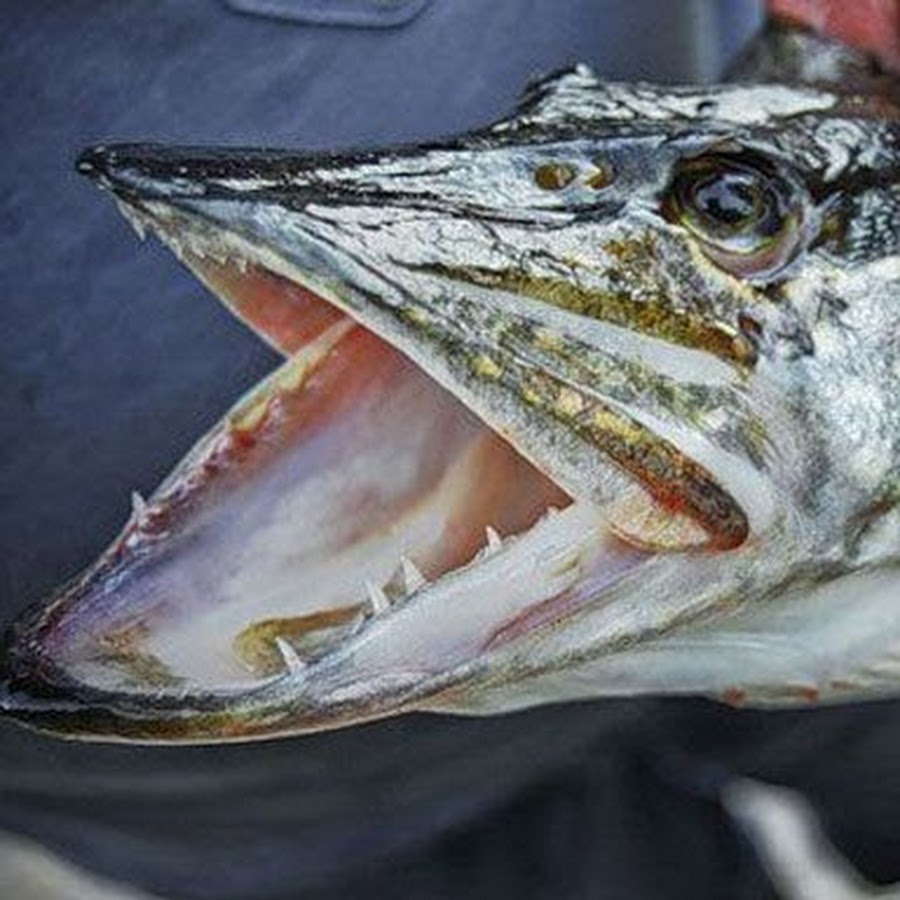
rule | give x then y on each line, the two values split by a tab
598	400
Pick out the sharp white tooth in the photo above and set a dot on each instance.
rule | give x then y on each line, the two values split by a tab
133	218
494	541
377	598
138	505
292	662
413	579
175	246
196	247
241	263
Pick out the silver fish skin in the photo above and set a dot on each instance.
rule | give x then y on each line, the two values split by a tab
671	313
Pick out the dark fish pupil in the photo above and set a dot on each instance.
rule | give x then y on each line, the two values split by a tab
741	210
730	200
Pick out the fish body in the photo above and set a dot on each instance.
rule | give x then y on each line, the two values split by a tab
597	400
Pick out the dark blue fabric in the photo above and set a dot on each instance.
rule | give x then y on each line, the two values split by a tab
113	361
357	13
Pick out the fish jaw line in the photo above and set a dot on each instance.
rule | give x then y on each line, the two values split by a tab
394	655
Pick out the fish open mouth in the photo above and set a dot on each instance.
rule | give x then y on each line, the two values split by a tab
344	490
358	534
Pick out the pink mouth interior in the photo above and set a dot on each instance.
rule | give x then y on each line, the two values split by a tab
316	485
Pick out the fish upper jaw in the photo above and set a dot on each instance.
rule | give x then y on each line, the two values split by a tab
477	297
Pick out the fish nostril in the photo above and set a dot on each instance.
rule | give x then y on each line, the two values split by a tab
554	176
602	177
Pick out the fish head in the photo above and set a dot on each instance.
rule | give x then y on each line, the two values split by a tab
598	400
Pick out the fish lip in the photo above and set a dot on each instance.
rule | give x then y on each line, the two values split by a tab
45	697
139	172
60	705
171	172
146	172
41	694
165	170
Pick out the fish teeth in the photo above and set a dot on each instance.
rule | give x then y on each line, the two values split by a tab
175	245
494	541
292	662
182	243
377	599
134	219
138	506
197	247
413	579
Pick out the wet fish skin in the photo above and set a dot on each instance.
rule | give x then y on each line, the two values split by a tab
506	263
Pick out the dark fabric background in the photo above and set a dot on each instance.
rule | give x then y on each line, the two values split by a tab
113	361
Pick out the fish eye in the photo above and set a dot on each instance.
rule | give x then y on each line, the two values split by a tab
745	215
